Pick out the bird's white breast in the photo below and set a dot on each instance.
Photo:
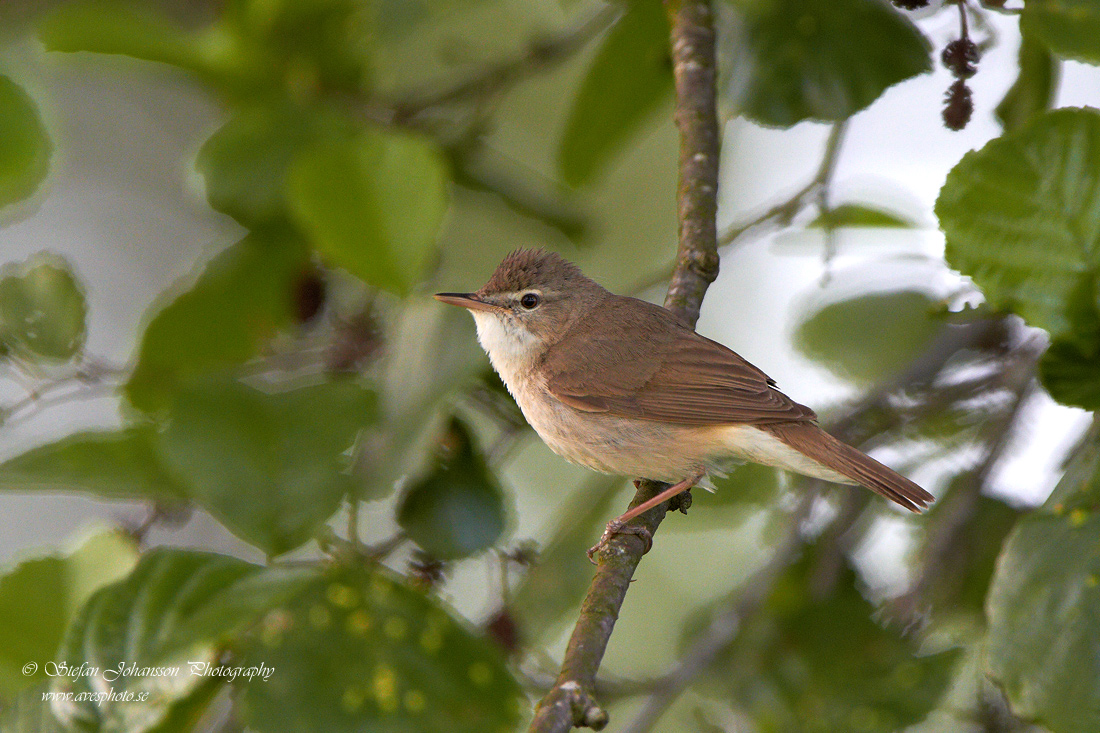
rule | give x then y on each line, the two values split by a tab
510	346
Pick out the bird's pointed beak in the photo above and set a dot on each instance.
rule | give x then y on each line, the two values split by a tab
470	301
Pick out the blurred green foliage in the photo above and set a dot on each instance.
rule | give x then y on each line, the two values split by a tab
1045	601
377	150
824	664
628	80
819	59
25	154
361	650
457	510
905	321
178	608
40	597
42	311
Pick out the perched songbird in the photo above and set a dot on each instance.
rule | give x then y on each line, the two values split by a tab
622	386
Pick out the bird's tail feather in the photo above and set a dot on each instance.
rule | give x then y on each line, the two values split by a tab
815	443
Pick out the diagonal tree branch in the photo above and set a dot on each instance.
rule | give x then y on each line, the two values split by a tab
570	701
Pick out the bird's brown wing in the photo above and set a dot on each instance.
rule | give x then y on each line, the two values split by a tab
642	362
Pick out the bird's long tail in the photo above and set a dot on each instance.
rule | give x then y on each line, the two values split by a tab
815	443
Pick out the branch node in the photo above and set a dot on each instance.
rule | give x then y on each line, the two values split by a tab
569	705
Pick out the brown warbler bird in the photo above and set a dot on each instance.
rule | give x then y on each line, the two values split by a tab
622	386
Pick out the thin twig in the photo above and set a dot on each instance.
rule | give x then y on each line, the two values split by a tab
570	702
784	212
353	520
56	393
781	214
945	537
496	78
824	180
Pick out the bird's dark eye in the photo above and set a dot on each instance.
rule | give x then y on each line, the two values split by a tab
529	301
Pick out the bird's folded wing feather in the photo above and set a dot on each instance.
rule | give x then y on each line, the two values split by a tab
672	374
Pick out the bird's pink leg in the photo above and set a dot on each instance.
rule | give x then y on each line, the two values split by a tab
617	525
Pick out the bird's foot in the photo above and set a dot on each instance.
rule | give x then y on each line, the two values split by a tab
618	526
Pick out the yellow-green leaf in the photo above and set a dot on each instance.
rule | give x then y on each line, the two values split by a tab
24	146
361	651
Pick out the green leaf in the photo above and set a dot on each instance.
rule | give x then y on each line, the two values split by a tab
1044	605
458	509
805	665
1070	28
859	215
243	297
24	146
40	596
963	584
1033	91
628	81
42	310
310	49
132	29
1022	216
271	467
1071	375
373	204
1070	367
245	162
819	59
362	651
117	464
837	335
159	633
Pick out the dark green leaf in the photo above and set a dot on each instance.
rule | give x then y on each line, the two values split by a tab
40	596
1033	91
361	651
42	310
1044	605
311	49
171	619
1072	375
458	509
243	297
628	80
1070	28
1070	368
859	215
119	464
805	665
869	337
271	467
135	29
819	59
1022	216
963	583
373	204
245	162
24	146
